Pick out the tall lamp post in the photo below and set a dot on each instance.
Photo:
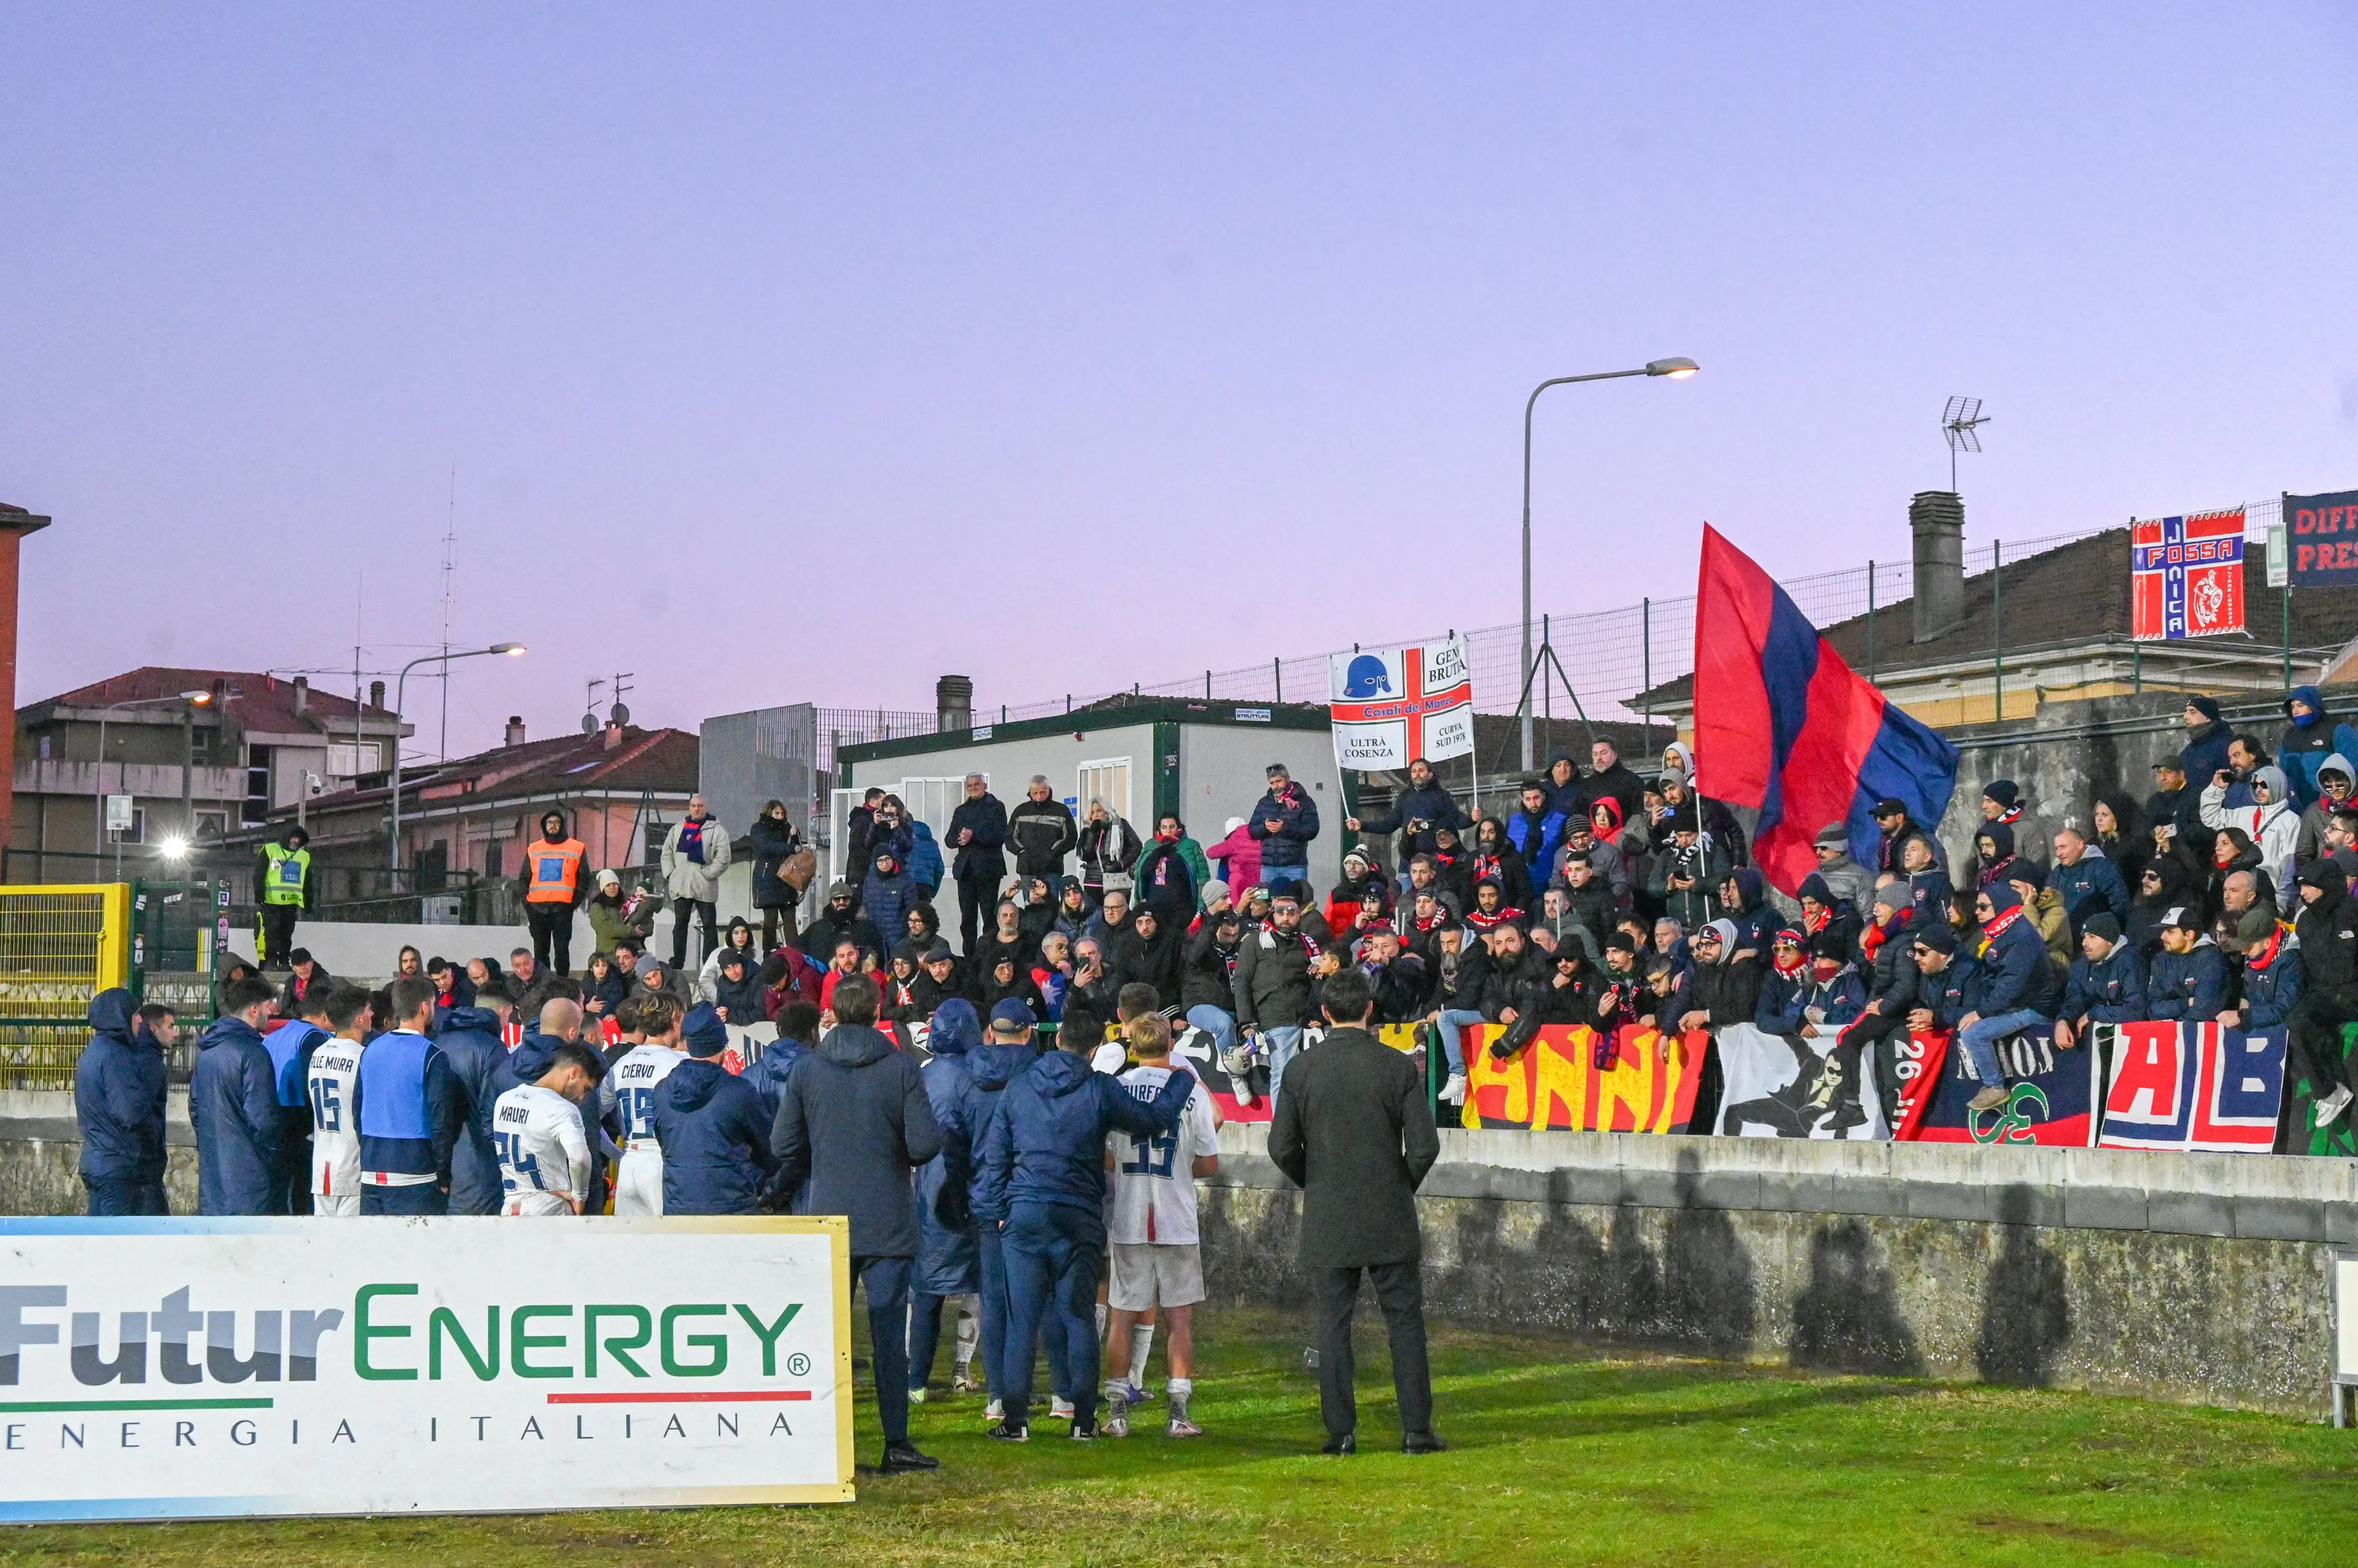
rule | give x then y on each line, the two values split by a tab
400	694
98	791
1677	370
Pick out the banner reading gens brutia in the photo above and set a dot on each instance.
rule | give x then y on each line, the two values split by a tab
188	1368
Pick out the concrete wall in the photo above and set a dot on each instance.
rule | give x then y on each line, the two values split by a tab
2071	751
2195	1278
40	1154
365	950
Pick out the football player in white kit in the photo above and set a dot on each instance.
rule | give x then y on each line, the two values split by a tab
334	1076
537	1127
1151	1231
628	1097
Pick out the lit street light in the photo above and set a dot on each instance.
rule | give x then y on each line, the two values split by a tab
98	789
1676	369
401	687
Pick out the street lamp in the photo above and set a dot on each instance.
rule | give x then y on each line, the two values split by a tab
98	791
1677	369
400	690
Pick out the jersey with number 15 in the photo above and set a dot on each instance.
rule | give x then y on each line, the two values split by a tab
332	1081
1154	1176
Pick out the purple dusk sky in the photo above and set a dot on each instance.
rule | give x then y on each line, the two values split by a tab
800	354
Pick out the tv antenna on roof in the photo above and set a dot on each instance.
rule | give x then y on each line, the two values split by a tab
619	713
589	707
1959	422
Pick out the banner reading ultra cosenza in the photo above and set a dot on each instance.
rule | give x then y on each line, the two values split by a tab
186	1368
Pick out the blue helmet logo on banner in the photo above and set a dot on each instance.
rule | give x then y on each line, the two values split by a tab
1367	678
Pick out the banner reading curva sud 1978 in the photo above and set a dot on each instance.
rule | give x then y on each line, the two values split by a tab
190	1368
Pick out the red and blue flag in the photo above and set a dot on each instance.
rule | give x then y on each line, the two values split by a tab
1785	726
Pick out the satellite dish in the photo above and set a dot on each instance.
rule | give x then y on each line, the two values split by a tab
619	714
589	724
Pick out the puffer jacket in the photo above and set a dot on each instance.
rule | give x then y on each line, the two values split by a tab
119	1095
1046	1140
715	1137
949	1254
234	1107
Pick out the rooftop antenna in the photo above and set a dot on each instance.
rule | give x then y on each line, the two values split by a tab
619	714
589	708
449	572
1959	422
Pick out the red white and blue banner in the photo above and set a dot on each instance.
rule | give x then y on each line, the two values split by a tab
2053	1097
1391	706
2322	534
1790	731
2193	1089
2186	575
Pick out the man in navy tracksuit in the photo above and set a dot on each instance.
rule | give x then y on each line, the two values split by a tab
853	1126
290	1046
469	1039
119	1100
1044	1168
1002	1057
714	1132
233	1105
411	1111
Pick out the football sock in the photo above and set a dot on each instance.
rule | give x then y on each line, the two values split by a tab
1176	1392
1142	1342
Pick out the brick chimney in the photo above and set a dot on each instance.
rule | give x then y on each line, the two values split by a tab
1937	519
516	730
15	524
954	702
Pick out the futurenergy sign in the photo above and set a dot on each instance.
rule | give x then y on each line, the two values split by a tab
190	1368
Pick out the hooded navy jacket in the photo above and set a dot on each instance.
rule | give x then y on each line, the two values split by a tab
2188	986
469	1041
1954	991
989	1068
119	1095
2271	993
2016	974
853	1125
2110	989
948	1257
1046	1142
2091	885
715	1137
769	1071
233	1105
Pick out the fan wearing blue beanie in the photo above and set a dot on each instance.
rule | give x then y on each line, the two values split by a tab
712	1125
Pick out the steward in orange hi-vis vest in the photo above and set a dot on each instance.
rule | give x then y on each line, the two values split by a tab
553	871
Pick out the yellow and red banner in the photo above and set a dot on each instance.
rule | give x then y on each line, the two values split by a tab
1554	1083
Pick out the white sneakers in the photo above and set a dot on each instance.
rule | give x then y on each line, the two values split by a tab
1453	1091
2333	1104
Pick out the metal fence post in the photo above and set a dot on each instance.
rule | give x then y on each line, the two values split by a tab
1870	623
1646	663
1997	624
1277	667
